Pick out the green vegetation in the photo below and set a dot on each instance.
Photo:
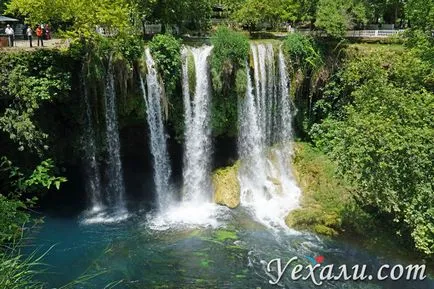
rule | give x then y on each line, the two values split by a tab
166	50
325	197
29	82
228	69
336	17
17	271
368	109
186	15
378	127
77	17
253	13
223	235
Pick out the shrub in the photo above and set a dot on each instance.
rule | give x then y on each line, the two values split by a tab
166	51
302	51
230	53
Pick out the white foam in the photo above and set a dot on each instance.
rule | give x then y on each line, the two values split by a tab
98	216
187	215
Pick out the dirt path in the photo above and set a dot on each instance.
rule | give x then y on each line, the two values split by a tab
24	45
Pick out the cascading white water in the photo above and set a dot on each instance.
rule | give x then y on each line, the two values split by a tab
285	127
196	208
268	188
91	167
115	190
250	146
112	207
197	152
162	169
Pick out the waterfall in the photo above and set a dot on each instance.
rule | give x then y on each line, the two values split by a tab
268	188
197	151
196	208
162	169
115	191
285	127
91	168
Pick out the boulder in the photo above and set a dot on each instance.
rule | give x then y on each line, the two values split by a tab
227	186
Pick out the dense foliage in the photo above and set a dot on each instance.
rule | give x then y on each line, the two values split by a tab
228	69
166	51
28	82
77	16
302	52
379	128
176	16
337	16
254	13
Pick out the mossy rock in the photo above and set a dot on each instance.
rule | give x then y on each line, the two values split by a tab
227	186
325	196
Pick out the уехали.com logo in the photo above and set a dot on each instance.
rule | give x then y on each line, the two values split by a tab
318	272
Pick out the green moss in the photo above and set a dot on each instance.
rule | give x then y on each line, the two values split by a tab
240	82
223	235
226	186
191	71
325	197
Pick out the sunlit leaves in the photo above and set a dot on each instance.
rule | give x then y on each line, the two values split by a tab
382	139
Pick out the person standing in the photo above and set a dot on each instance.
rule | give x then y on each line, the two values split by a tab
29	33
10	33
40	35
47	32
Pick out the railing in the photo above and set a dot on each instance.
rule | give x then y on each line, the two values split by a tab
153	28
373	33
356	33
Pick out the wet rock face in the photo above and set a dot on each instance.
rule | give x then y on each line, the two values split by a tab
227	186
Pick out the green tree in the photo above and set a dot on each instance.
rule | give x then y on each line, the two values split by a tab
336	17
255	12
421	14
379	130
187	14
78	16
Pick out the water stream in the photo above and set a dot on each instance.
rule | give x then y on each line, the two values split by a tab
157	133
268	187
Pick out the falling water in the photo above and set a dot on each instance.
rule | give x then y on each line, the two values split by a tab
91	168
197	183
196	207
285	127
268	188
115	190
162	170
250	147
